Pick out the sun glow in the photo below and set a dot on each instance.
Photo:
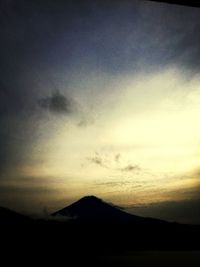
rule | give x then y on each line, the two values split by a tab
160	135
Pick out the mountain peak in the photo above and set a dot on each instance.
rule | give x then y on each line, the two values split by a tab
90	199
91	208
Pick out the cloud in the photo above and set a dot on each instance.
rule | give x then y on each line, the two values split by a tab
112	163
103	161
123	184
85	121
97	160
117	157
57	103
130	168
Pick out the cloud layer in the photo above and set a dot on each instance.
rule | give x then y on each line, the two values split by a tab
79	47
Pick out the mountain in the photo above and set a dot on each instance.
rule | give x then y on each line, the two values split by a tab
93	209
96	226
96	222
8	216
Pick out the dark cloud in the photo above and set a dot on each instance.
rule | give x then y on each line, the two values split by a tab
37	36
57	103
60	104
130	168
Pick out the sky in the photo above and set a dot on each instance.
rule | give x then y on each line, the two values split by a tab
100	98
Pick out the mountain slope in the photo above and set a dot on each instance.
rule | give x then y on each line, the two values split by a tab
93	209
97	226
96	222
8	216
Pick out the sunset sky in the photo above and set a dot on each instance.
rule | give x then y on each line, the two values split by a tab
100	98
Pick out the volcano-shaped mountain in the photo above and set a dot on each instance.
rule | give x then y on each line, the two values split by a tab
91	222
93	209
96	221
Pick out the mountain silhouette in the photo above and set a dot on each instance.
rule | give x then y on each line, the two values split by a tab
93	209
8	216
97	222
91	222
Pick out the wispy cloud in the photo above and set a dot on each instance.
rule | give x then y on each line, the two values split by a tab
132	184
117	158
98	160
113	163
130	168
85	121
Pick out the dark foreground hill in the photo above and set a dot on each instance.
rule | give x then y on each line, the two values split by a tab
91	225
9	217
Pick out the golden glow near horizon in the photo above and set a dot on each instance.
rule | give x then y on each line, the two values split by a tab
143	145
